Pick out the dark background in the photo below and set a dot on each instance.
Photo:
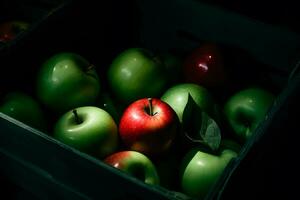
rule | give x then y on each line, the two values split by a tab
281	13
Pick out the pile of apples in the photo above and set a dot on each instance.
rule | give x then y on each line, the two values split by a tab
152	116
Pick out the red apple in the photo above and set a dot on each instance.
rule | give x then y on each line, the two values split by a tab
136	164
204	66
148	126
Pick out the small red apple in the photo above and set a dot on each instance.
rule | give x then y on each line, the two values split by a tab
148	125
136	164
204	66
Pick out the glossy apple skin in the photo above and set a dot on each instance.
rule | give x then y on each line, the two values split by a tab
200	170
205	66
246	109
95	134
24	108
136	73
136	164
146	133
66	81
9	30
177	98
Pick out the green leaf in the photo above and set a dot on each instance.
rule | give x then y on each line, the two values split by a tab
191	118
199	127
210	132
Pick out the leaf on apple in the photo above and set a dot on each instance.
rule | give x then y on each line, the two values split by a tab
191	118
199	127
210	132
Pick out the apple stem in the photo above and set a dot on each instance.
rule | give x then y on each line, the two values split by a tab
150	106
77	119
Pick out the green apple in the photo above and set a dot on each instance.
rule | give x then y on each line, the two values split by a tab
201	169
246	109
66	81
177	98
89	129
136	164
24	108
136	73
